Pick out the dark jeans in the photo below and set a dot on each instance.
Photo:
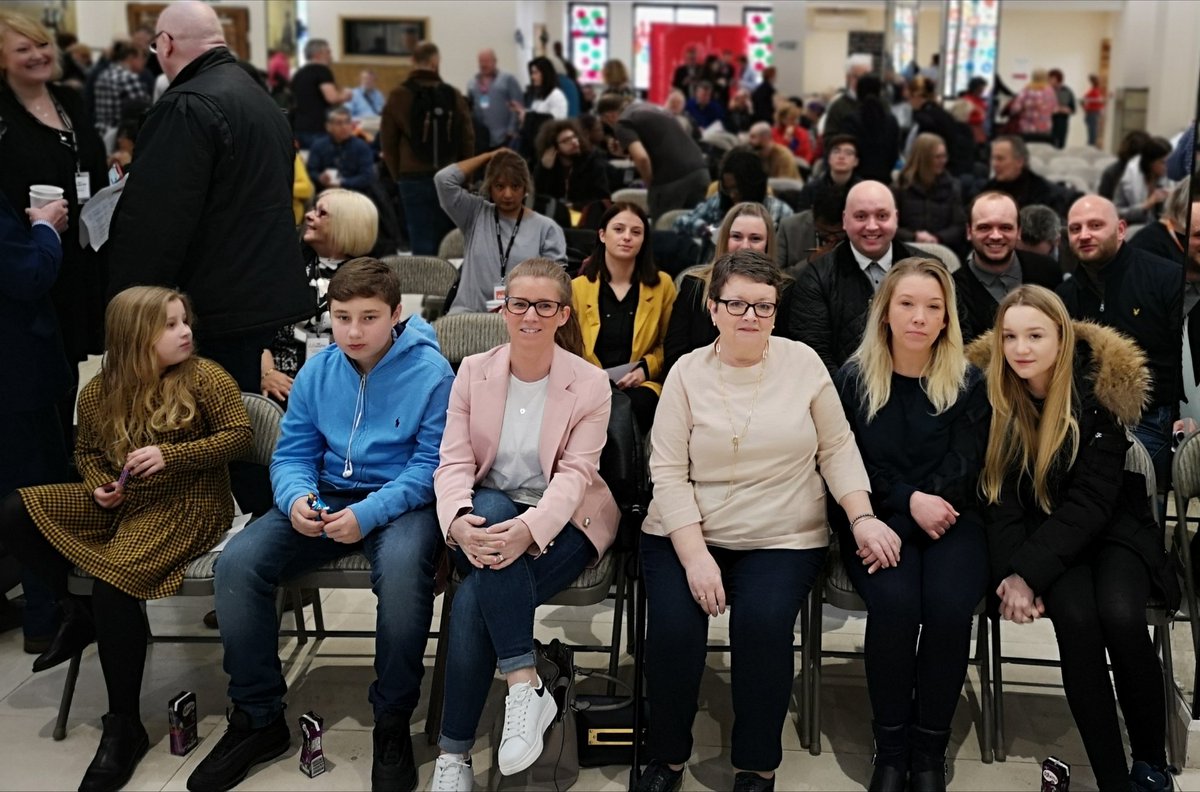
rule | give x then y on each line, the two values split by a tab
1092	120
765	590
427	223
1154	431
932	594
492	618
269	551
1096	605
1059	125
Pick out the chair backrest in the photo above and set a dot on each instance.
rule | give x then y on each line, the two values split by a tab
778	184
1044	151
1036	164
1079	181
1185	468
423	274
667	220
464	334
1137	460
801	229
720	138
1063	164
634	195
1132	229
688	271
940	252
1102	162
453	245
265	416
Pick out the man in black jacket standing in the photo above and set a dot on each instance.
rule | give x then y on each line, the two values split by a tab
832	294
994	268
208	204
1139	294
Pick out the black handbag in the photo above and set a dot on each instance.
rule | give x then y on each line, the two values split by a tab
604	725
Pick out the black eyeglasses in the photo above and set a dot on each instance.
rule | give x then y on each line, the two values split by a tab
154	41
544	308
763	310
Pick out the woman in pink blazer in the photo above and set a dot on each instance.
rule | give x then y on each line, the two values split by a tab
523	508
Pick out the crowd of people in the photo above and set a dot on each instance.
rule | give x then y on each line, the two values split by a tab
812	381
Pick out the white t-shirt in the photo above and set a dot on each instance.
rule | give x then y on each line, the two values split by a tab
555	104
517	472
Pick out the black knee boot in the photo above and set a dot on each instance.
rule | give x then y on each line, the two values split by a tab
891	758
75	631
928	759
122	746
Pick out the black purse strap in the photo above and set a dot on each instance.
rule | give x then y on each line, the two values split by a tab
592	706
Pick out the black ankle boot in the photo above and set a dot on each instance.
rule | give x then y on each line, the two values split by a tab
122	746
75	631
928	759
891	758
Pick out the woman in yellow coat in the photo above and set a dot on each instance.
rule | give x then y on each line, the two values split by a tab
624	305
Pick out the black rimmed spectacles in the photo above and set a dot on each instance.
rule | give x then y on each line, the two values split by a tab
543	308
763	310
154	41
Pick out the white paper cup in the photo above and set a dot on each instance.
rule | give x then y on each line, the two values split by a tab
42	194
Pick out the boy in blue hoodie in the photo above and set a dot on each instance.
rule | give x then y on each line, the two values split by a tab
362	430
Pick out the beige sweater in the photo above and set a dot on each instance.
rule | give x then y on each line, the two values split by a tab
778	499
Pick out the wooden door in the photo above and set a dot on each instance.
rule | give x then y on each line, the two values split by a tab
234	20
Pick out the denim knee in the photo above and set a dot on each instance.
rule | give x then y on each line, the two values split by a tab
403	555
245	563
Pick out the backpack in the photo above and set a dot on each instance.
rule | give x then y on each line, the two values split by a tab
434	128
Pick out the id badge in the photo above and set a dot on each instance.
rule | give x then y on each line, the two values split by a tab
83	187
499	291
484	101
314	344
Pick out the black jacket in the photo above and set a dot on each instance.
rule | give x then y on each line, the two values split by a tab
829	303
979	304
1029	189
938	210
1157	239
208	206
1143	298
1096	500
958	137
581	184
878	144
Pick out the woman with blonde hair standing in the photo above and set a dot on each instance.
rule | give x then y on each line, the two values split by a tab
1070	531
919	414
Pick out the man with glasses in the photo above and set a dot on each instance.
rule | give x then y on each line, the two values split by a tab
341	159
841	161
207	207
569	169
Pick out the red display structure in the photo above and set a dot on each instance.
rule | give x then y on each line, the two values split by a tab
668	43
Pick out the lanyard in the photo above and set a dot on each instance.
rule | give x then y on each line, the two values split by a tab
504	252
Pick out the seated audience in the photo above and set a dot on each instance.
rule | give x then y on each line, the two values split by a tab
1011	174
518	474
341	158
740	117
928	198
366	100
1167	236
302	188
749	436
930	116
157	430
350	474
1139	294
702	108
812	233
741	178
668	161
616	78
831	296
876	131
1070	532
919	416
676	106
497	227
1130	147
1041	231
568	168
994	267
841	160
777	159
623	304
747	226
790	133
1144	185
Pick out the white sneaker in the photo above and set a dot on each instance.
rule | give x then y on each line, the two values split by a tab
452	773
527	715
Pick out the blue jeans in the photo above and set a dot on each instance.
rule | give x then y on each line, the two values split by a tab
1092	121
1154	431
427	223
492	617
270	551
765	590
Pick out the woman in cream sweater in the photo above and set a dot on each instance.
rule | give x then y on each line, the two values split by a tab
738	519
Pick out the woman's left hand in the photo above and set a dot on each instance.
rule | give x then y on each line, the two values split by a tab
632	379
145	461
513	539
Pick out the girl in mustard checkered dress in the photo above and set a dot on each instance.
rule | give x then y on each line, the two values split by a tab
157	429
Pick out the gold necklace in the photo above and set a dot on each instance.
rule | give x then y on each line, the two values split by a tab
737	437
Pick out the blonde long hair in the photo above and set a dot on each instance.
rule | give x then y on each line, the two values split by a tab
946	371
138	404
1021	439
743	209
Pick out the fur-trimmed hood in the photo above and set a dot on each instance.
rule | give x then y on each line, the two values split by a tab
1116	372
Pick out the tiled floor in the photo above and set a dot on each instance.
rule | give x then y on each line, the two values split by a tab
332	680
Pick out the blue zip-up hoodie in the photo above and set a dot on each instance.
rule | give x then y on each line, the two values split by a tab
377	434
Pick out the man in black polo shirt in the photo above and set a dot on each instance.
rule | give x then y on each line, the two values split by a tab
994	268
1139	294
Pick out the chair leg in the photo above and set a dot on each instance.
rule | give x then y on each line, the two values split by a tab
437	688
639	644
999	751
318	614
805	648
1162	641
631	636
64	706
986	714
298	613
614	648
814	668
1183	547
